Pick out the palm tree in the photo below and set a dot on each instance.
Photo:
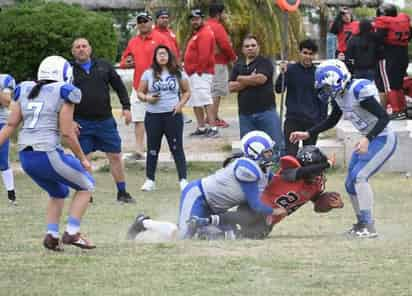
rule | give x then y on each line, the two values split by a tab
262	18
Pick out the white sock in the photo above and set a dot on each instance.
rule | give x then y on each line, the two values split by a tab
53	233
164	228
8	179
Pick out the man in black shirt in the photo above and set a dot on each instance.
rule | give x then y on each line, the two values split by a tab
303	108
252	78
98	129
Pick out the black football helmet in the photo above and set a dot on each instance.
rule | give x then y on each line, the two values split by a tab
310	154
387	9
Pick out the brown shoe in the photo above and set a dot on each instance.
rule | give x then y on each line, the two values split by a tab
52	243
77	240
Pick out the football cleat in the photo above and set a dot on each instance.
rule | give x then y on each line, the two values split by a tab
360	230
77	240
136	227
52	243
149	185
11	195
125	197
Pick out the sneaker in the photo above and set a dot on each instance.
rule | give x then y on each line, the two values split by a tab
77	240
183	183
135	157
52	243
199	132
398	116
136	227
11	195
360	230
125	197
221	123
212	133
149	185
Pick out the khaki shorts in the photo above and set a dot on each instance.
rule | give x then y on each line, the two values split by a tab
220	84
137	107
201	89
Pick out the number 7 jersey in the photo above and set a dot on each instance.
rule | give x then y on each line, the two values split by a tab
40	128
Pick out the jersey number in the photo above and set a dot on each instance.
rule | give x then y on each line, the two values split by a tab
36	107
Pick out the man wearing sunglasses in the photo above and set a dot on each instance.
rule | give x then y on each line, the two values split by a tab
139	55
303	108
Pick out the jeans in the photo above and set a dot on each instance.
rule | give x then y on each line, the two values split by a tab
267	121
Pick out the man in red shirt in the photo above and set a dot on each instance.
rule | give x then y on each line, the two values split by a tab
224	54
199	63
162	27
343	27
139	55
394	29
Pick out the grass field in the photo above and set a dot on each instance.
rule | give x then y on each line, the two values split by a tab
305	255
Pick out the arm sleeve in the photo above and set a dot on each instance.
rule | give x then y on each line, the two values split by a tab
222	40
235	73
336	25
295	174
329	122
251	191
119	87
70	94
371	105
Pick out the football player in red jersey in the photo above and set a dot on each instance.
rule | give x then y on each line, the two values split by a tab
343	26
395	30
298	181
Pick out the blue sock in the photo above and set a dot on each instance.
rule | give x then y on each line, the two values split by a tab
73	225
365	217
53	229
121	186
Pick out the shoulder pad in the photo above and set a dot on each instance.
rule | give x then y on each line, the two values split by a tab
7	82
289	162
23	88
70	93
246	170
364	88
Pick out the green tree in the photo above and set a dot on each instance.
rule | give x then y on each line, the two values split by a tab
31	31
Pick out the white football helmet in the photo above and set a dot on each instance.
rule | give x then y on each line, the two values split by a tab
55	68
255	144
331	78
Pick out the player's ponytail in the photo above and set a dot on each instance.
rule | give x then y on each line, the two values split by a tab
231	158
36	89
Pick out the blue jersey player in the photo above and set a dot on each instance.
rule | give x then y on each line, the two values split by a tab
45	109
240	182
357	101
7	85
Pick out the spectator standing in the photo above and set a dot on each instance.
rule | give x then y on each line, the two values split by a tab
199	63
252	79
98	128
344	27
7	85
363	52
303	108
162	27
395	29
138	55
165	89
224	54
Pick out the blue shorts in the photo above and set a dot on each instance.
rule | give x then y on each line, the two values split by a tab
55	172
99	135
192	203
4	153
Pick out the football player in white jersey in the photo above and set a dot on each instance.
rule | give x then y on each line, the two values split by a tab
45	109
357	101
240	182
7	85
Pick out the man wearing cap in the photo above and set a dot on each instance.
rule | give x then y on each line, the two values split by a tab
162	27
139	55
224	54
199	62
